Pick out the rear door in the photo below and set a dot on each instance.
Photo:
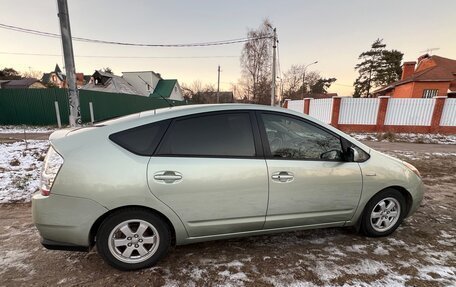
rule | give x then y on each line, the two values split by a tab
210	170
309	180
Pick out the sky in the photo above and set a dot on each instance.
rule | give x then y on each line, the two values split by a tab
332	32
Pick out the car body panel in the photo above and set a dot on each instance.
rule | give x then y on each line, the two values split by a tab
215	195
65	218
100	176
381	172
315	195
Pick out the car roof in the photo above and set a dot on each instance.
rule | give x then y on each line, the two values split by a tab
196	109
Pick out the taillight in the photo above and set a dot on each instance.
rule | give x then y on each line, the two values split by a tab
52	163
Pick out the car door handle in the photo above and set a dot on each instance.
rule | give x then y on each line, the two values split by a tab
283	176
168	176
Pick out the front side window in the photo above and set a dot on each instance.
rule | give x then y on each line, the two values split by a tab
296	139
210	135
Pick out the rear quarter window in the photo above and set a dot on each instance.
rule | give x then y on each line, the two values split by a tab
142	140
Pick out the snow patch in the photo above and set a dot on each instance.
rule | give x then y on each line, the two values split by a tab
20	168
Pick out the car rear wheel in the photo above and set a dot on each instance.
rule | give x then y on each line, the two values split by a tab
383	213
133	239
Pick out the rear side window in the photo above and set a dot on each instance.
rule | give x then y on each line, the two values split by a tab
142	140
210	135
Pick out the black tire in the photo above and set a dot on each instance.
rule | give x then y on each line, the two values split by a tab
107	250
367	225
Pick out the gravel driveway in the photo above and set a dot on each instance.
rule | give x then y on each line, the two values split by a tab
420	253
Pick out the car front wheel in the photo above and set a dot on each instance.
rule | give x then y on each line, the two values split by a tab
133	239
383	213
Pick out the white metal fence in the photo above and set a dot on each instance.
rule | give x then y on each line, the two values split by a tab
449	113
296	105
409	112
354	111
321	109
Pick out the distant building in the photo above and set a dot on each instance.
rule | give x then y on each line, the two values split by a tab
109	83
25	83
58	79
151	84
145	83
211	97
432	76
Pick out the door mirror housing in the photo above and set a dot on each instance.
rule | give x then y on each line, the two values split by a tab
353	155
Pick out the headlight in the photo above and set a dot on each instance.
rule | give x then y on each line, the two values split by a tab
52	163
412	168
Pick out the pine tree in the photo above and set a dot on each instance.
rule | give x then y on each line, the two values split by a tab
378	67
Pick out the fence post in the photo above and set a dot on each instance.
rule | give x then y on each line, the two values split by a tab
335	111
381	115
57	113
92	118
437	113
307	105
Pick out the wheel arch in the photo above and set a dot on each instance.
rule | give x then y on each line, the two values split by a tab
403	191
96	225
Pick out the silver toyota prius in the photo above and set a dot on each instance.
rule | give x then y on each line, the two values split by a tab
136	185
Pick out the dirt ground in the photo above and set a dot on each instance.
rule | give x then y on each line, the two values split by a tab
422	252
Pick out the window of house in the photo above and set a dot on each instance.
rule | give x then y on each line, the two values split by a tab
428	93
210	135
291	138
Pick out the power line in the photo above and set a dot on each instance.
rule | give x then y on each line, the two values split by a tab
88	40
118	57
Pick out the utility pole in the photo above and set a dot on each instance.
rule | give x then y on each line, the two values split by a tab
273	86
68	55
304	78
218	85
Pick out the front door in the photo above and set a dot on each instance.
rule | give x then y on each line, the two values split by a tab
207	170
309	180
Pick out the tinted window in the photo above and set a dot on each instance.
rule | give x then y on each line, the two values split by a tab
142	140
210	135
292	138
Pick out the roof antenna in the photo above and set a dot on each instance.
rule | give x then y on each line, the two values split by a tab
429	51
168	102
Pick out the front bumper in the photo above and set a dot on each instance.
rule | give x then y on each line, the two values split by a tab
417	195
65	220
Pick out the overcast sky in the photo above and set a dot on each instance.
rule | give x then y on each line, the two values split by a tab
332	32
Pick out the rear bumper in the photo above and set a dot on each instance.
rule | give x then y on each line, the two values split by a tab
54	245
65	221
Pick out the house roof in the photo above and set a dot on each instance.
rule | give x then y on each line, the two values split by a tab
111	84
46	78
136	72
19	84
57	69
164	88
444	70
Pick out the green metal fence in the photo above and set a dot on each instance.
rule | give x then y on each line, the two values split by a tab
36	106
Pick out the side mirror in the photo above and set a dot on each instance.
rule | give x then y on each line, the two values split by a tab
353	154
331	155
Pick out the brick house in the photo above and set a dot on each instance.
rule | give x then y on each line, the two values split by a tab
432	76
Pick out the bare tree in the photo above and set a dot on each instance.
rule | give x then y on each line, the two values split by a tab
256	61
195	91
296	82
32	74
